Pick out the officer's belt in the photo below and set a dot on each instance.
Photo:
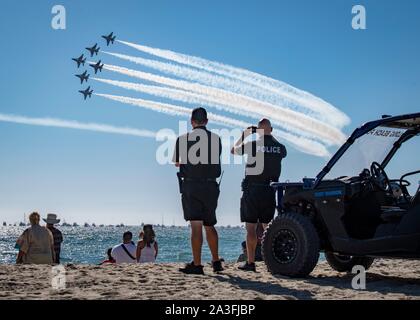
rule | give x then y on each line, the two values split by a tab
259	184
200	179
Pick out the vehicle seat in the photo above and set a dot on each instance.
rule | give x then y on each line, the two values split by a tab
392	214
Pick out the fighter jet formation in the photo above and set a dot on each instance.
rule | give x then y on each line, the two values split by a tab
84	77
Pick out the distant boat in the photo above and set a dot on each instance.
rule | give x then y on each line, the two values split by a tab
101	226
22	224
87	225
65	224
4	224
75	224
93	225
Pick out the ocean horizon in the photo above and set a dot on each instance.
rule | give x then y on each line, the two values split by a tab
88	245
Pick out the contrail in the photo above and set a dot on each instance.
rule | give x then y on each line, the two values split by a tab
280	97
285	118
71	124
170	93
252	78
180	95
302	144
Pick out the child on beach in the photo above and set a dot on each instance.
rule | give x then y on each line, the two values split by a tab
147	247
110	258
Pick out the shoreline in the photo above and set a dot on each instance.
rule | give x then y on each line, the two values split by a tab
386	280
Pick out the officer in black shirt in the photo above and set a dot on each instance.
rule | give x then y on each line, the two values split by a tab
197	155
258	202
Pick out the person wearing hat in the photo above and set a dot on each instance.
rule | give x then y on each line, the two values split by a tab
51	220
197	155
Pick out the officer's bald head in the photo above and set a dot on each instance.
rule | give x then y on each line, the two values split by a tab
265	124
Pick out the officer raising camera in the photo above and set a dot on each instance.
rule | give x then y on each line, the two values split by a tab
258	202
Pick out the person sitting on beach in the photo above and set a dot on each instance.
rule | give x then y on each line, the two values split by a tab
110	258
126	251
147	247
36	244
51	220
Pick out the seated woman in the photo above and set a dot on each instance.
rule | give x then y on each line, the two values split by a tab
147	247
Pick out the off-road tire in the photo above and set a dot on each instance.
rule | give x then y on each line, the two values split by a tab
276	248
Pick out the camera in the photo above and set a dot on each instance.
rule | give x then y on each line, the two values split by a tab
253	129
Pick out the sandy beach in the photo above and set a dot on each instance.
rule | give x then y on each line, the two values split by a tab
387	279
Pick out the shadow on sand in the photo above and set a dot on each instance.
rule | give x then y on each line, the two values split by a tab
264	287
375	283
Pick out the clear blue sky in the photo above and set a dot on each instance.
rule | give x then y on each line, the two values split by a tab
105	178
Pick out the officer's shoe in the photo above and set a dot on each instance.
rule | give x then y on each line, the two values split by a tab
248	267
191	268
217	265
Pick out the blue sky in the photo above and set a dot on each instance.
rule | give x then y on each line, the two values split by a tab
97	177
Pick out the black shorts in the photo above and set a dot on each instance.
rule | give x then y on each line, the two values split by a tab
199	201
258	204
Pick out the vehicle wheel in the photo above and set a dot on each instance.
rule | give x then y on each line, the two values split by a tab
342	263
290	246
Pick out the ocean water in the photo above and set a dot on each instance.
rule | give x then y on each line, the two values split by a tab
88	245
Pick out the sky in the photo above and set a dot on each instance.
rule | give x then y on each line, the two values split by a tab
98	177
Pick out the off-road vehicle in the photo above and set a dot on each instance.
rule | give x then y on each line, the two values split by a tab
352	211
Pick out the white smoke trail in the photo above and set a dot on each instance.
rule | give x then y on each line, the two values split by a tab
280	97
180	95
252	78
71	124
302	144
285	118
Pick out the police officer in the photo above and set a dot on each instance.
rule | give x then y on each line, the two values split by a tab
263	166
197	155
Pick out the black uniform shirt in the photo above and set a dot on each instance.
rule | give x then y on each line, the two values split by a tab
199	152
272	154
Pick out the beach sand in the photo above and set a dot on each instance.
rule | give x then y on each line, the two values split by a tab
387	279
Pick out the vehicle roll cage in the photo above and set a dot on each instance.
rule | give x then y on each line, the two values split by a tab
392	122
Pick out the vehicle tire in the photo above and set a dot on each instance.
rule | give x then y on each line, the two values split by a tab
290	246
342	263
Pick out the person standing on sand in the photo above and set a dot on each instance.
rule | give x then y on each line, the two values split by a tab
258	202
197	155
51	220
126	251
147	247
36	244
